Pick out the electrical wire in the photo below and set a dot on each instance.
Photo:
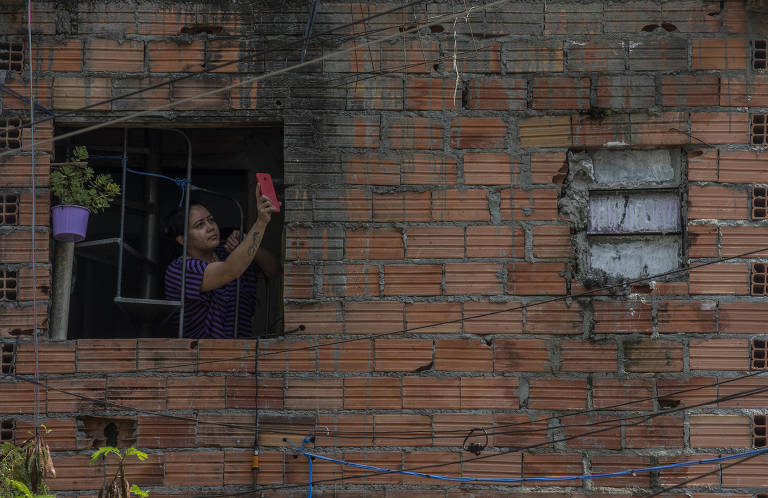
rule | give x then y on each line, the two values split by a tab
221	65
504	452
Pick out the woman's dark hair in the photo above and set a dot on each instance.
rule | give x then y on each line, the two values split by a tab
174	222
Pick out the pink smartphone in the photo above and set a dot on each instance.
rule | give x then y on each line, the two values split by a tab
267	189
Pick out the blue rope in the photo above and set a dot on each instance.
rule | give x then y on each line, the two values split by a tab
14	93
180	182
525	479
309	456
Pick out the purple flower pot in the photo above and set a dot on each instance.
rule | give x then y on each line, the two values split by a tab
69	222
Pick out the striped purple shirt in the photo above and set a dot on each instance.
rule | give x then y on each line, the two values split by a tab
211	314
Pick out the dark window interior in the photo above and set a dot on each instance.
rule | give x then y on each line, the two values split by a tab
224	160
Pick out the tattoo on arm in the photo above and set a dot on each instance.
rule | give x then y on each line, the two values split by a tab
254	244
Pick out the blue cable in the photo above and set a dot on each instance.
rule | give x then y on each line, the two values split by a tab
526	479
14	93
180	182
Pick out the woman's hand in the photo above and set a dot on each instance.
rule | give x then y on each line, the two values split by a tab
232	241
264	205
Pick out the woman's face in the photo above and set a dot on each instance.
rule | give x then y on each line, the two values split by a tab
203	230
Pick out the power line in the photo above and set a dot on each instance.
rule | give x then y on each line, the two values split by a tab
645	418
215	67
515	308
245	81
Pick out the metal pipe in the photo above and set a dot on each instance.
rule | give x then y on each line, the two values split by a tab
124	163
149	245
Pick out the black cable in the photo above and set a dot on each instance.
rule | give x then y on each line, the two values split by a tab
215	67
748	392
701	476
520	307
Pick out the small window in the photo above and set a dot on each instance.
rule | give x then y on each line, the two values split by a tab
759	205
11	56
633	220
8	285
759	129
9	209
759	275
759	54
10	133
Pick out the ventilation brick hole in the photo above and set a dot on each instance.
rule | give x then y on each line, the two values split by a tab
8	285
758	431
759	203
119	432
6	358
759	277
759	54
9	209
10	133
11	56
7	431
759	129
760	353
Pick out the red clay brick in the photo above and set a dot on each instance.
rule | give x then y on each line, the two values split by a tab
371	393
313	394
423	314
689	391
432	94
626	92
742	318
429	169
548	167
743	167
196	393
413	280
342	425
463	355
373	317
687	316
53	358
702	241
448	426
606	132
552	241
403	355
495	241
402	206
455	205
194	468
473	278
535	279
596	55
689	90
564	18
522	56
719	354
346	357
553	318
416	133
521	355
389	425
487	168
110	355
623	394
535	204
374	243
741	239
74	93
430	392
113	56
389	460
720	127
751	400
349	280
603	464
475	133
659	432
321	318
499	94
717	202
489	393
560	93
613	317
557	394
65	57
19	398
545	131
578	356
240	355
660	129
719	53
737	90
746	474
92	390
371	169
173	57
720	278
143	393
505	465
500	322
653	355
441	242
702	165
608	439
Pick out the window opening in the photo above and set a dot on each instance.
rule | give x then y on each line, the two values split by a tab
9	209
8	285
759	203
627	214
10	133
11	56
224	160
759	55
759	278
759	129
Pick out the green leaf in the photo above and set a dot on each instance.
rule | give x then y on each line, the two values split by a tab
139	454
135	490
21	487
105	450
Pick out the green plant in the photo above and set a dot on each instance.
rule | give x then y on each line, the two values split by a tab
119	487
24	468
75	182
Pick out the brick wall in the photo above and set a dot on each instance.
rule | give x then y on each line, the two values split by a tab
407	206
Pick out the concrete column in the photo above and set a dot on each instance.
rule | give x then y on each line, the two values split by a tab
62	286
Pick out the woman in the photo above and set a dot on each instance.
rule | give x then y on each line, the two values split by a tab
212	271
